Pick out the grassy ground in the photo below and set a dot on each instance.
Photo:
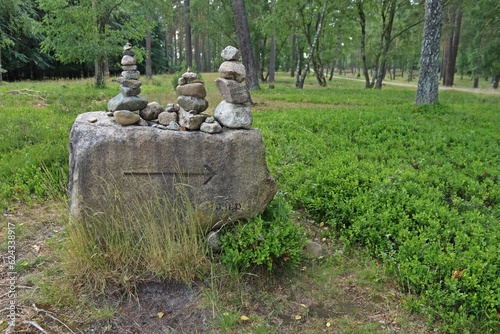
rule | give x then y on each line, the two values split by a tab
367	175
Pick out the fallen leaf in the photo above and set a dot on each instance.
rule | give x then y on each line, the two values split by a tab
303	305
36	248
298	317
321	224
457	274
244	318
160	314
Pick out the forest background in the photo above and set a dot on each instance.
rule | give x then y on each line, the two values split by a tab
47	39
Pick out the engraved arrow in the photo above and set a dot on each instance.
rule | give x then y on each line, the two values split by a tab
209	173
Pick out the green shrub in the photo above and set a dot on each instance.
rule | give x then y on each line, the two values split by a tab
418	187
271	239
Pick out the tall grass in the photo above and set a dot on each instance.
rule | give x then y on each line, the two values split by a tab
139	239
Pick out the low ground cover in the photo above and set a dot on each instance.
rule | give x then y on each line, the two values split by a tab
416	188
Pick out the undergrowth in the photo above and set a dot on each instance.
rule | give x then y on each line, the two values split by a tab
417	187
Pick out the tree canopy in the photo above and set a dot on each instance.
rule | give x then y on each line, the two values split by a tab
371	38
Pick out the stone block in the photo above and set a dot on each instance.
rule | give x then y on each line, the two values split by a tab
233	91
235	116
191	121
192	103
193	89
233	70
224	175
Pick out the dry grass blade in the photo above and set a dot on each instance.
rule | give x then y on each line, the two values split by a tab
37	326
49	314
29	92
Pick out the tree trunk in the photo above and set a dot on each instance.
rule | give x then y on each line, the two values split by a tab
427	89
272	53
167	42
99	71
298	68
496	79
452	48
385	42
197	55
187	28
1	70
149	71
243	34
100	79
300	84
293	56
362	22
272	62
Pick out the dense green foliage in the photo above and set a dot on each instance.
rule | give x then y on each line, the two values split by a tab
271	239
418	187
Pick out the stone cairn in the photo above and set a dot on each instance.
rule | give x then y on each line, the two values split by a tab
124	104
233	112
187	114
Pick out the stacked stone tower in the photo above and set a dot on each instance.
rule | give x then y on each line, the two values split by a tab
233	112
130	87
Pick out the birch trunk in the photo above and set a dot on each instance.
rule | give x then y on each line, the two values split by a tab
427	89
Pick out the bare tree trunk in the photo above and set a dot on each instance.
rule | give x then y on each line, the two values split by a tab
385	42
149	72
187	28
427	89
243	33
197	56
300	84
272	62
167	42
452	47
292	55
1	70
272	53
362	23
99	71
100	79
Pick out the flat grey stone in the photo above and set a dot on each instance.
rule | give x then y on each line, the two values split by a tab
191	121
173	125
129	67
129	82
212	127
192	103
125	117
131	75
131	103
127	91
232	70
234	116
151	111
166	117
233	91
128	60
192	89
230	53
